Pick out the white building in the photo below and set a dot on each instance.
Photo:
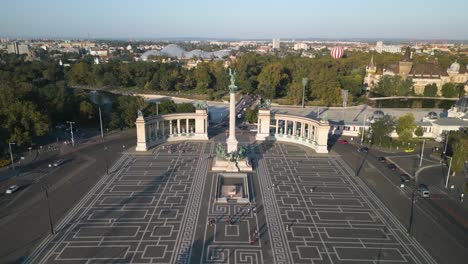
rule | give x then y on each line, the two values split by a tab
17	48
301	46
276	43
434	126
380	47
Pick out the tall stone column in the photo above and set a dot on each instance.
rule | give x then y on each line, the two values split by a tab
232	140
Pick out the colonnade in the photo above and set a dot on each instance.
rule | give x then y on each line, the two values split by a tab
296	129
154	130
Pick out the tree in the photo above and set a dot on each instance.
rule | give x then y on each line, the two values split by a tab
405	127
202	77
430	90
167	106
128	107
22	122
81	74
394	86
381	130
271	80
449	91
295	93
352	83
457	145
251	115
322	84
419	131
86	111
185	108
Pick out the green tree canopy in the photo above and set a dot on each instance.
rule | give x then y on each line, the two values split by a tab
272	81
405	126
419	131
251	115
381	130
448	90
430	90
394	86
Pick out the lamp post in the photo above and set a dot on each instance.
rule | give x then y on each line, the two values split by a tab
446	142
71	132
344	96
363	128
413	201
448	172
11	154
304	83
422	153
100	121
46	190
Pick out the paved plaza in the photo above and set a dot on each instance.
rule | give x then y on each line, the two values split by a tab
158	207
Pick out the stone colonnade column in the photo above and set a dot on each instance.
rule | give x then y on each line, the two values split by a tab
264	120
141	134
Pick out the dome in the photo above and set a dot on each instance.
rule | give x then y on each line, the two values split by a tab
462	104
432	115
378	114
455	67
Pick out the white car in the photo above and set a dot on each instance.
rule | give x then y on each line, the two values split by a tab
12	189
58	162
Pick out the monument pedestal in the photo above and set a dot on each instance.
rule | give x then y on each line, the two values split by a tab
231	144
231	166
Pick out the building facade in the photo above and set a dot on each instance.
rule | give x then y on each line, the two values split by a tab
421	74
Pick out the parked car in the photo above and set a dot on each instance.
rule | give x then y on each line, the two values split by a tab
392	166
410	149
363	150
405	177
12	189
423	190
381	159
342	141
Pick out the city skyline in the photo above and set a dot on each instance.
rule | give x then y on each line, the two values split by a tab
122	19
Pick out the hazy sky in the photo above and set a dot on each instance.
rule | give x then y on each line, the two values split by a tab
433	19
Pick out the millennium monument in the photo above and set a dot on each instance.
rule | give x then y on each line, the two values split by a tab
234	159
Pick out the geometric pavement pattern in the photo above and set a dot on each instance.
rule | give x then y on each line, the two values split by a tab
159	208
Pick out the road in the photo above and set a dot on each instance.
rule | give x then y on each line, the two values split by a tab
23	215
437	231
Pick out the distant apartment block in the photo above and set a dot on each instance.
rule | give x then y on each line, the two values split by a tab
17	48
380	47
276	43
301	46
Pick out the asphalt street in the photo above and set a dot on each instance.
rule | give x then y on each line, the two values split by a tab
24	220
437	231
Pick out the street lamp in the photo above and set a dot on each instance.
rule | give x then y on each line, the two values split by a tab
71	132
448	172
413	200
46	190
100	121
11	154
304	83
